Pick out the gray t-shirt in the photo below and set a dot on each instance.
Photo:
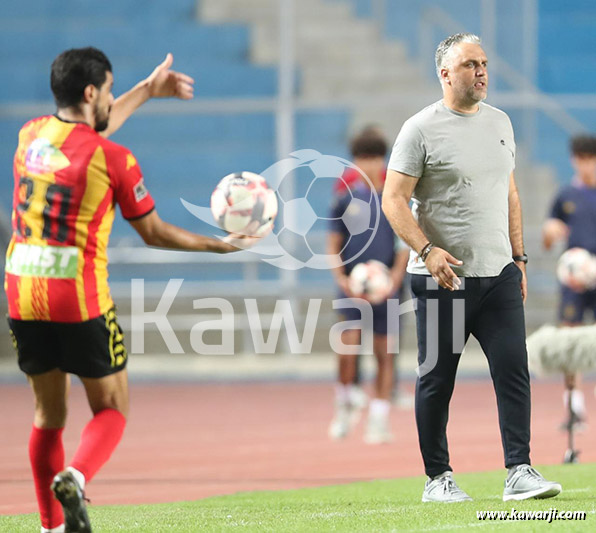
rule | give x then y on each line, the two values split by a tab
461	199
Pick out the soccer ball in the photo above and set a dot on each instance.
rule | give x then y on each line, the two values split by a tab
240	199
371	279
576	269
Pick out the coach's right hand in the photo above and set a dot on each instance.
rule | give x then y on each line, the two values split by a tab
438	264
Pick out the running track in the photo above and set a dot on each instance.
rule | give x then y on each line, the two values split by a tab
191	441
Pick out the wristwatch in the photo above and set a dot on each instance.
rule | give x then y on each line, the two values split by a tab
523	258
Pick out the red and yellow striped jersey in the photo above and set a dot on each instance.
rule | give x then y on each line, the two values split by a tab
67	182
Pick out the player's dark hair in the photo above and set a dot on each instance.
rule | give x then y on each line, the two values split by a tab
583	145
73	70
369	143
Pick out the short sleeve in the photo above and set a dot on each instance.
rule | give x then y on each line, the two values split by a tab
338	206
409	151
513	145
557	210
130	192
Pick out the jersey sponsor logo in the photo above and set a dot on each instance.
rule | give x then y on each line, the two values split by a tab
43	157
140	190
130	161
569	207
43	261
570	313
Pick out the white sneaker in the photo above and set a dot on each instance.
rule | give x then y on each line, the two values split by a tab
358	398
342	422
377	430
525	482
444	489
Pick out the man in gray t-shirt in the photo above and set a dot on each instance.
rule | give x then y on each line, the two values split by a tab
463	162
454	160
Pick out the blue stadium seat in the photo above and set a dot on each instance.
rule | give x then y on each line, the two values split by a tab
122	41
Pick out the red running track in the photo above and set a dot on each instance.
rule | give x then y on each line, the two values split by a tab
190	441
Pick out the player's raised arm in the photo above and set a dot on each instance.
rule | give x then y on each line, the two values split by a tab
161	83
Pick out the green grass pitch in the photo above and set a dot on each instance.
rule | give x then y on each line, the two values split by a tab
376	506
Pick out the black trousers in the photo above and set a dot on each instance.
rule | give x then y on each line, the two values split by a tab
492	310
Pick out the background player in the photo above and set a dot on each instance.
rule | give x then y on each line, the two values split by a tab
573	219
68	180
343	184
369	150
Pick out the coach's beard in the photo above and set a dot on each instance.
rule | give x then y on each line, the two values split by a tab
477	95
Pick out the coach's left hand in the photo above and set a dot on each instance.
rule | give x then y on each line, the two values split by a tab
524	282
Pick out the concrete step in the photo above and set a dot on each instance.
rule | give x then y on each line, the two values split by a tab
311	51
354	74
339	55
268	10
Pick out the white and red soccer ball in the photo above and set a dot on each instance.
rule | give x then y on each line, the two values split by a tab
240	199
576	269
371	280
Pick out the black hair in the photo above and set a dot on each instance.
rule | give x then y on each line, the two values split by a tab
369	143
583	145
73	70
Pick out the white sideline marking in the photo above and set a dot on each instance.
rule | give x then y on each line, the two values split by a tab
457	526
352	513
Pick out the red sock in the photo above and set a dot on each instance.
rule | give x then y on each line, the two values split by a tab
99	439
46	454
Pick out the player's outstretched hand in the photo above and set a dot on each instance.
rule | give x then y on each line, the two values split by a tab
247	239
438	263
166	83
